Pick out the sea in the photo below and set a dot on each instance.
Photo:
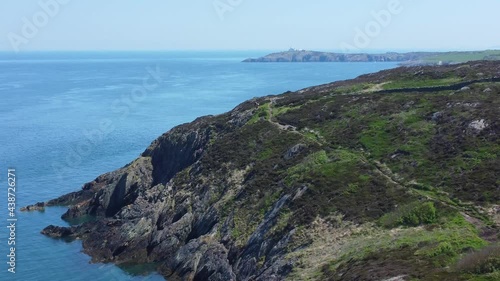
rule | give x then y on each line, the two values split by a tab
67	117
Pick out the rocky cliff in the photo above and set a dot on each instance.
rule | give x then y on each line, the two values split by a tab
391	175
412	58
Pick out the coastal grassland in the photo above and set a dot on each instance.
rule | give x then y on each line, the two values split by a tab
418	136
261	114
459	57
433	164
431	251
420	83
353	88
341	181
423	252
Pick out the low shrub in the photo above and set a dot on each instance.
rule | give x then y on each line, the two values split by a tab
413	214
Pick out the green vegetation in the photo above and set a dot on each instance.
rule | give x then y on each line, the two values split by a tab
312	162
377	139
413	214
262	113
284	109
281	223
416	250
427	149
383	185
411	83
353	88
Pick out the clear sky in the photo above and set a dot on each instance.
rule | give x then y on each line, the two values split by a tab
248	24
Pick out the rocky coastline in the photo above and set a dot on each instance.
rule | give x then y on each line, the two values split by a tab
297	186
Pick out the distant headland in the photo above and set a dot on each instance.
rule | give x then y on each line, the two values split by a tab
412	58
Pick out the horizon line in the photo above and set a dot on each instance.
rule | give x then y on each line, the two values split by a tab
388	50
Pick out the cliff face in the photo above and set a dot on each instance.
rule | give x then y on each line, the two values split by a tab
368	179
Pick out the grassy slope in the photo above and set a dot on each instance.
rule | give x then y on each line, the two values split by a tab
386	184
459	57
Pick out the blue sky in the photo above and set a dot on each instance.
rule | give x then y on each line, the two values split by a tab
248	25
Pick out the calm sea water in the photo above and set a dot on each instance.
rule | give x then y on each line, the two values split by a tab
69	117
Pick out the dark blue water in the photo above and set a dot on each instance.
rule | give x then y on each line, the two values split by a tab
69	117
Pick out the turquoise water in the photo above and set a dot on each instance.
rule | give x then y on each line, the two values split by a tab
69	117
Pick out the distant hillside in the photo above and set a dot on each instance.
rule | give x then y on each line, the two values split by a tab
408	58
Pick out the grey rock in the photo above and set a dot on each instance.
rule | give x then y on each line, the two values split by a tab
294	151
58	232
40	206
436	116
199	260
478	125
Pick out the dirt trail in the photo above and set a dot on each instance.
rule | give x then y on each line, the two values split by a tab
287	128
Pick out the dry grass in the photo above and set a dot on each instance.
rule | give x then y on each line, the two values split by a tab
327	238
486	260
